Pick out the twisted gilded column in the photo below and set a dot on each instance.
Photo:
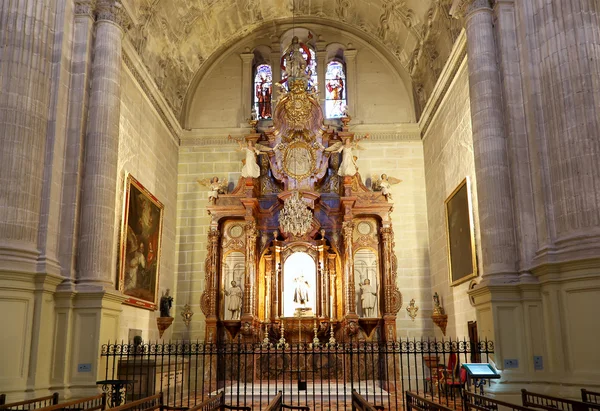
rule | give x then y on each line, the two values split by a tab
96	240
489	142
250	278
26	39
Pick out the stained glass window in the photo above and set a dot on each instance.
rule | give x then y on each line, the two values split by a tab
263	90
335	90
311	68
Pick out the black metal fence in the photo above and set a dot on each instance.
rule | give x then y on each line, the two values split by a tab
321	377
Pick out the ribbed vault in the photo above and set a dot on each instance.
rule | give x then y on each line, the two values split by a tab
175	38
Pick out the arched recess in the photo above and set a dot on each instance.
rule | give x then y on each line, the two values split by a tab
330	29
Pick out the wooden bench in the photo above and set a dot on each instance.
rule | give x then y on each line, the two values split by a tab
361	404
590	397
475	402
277	404
96	402
217	402
151	403
416	402
28	404
550	403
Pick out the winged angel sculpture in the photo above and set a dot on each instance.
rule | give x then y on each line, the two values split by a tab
384	184
251	169
348	166
214	186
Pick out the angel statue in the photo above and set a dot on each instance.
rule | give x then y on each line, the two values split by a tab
348	166
251	169
385	184
215	188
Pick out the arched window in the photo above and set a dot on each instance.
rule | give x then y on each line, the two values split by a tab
263	90
335	90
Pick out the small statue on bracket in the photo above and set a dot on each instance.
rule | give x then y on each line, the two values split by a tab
251	169
384	184
166	302
215	186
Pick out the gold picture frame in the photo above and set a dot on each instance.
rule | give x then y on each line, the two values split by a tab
462	257
140	245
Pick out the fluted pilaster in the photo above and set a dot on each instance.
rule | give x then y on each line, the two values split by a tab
96	252
27	38
489	141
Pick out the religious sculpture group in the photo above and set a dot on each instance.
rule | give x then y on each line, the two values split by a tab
300	244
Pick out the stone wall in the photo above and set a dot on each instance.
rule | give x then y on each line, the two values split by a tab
448	153
401	159
149	152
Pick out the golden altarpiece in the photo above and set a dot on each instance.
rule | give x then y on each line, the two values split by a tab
301	245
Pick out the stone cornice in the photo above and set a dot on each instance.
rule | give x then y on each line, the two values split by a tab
149	88
462	8
455	61
377	132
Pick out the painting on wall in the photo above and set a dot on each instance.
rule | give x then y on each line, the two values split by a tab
462	259
140	247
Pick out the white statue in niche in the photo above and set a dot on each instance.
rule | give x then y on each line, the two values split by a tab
301	291
234	303
368	298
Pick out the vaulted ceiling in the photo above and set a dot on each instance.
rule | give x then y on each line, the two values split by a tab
174	38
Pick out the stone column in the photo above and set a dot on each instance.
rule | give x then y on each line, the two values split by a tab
247	86
351	80
96	240
568	40
276	71
489	142
27	39
83	32
321	69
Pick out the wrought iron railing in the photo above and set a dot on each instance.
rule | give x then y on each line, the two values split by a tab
322	377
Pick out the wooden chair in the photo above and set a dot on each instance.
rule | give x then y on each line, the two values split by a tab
550	403
277	404
31	404
217	402
590	397
475	402
359	403
416	402
442	372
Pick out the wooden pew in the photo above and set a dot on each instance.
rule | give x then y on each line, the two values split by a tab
277	404
217	403
28	404
416	402
550	403
93	403
475	402
151	403
359	403
590	397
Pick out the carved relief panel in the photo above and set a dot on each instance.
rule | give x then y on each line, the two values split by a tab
233	268
367	277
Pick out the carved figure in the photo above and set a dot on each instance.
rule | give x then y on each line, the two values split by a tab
348	166
301	292
251	169
437	308
368	298
234	303
166	302
215	186
384	184
293	63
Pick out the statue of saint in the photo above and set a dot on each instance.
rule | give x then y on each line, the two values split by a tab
166	302
437	308
234	303
251	169
348	165
293	62
368	299
301	292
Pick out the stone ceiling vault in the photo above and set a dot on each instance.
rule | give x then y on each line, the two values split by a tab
175	38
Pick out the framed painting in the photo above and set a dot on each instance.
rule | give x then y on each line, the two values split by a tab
140	245
462	260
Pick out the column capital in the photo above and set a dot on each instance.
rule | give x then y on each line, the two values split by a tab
463	8
112	10
85	8
350	54
247	57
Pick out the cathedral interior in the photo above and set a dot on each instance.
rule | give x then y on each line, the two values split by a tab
296	172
